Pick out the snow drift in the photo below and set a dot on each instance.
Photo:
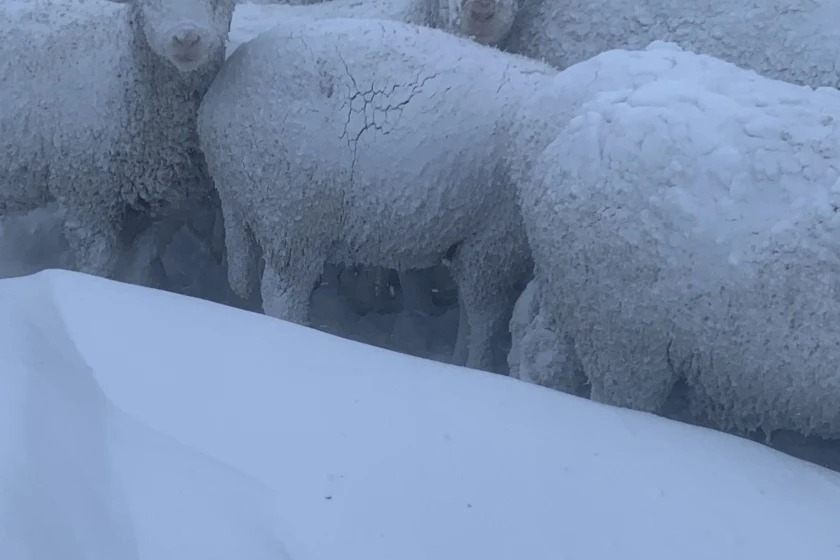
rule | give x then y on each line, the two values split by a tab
371	454
80	479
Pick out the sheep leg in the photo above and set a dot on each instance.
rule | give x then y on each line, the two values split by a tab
487	297
91	233
286	290
462	336
206	223
242	253
542	350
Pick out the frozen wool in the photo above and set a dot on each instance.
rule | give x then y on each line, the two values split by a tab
371	142
97	111
685	226
791	40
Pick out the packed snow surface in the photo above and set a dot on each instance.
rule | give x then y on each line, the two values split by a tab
221	433
81	479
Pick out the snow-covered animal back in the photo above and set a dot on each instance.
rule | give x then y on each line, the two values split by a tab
371	142
98	108
685	226
792	40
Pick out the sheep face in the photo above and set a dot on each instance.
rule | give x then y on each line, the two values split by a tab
187	33
486	21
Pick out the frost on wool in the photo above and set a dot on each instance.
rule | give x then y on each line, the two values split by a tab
371	142
791	40
98	108
684	226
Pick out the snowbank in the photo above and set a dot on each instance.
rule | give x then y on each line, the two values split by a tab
80	479
377	455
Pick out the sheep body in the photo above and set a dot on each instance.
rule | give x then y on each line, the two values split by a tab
366	289
371	142
98	108
684	226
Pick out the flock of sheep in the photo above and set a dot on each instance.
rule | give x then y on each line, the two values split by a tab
664	175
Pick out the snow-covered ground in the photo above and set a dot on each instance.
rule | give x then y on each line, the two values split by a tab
81	479
137	423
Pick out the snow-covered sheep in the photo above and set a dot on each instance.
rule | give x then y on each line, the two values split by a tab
791	40
372	142
97	111
366	289
685	226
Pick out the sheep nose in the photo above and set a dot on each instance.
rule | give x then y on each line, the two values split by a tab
186	39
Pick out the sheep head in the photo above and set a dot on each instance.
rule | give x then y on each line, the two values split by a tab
486	21
187	33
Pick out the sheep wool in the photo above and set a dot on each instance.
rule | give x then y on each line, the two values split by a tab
684	226
98	109
371	142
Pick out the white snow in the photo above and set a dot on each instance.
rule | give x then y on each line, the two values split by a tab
219	433
81	479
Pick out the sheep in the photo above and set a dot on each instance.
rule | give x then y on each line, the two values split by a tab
684	226
98	109
369	288
372	142
366	289
791	40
